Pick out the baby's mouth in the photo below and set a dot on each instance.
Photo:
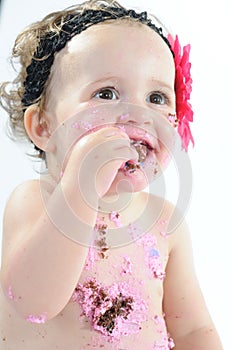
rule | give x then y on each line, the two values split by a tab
142	148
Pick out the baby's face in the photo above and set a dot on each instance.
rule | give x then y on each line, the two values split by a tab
108	64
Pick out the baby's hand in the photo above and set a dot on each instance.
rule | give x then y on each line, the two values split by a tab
96	158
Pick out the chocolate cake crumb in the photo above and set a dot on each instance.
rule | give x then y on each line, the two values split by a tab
142	151
131	167
101	229
121	306
110	307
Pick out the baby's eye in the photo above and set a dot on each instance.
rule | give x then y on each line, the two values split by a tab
158	98
106	94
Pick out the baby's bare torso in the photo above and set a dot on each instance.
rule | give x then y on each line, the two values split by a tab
117	304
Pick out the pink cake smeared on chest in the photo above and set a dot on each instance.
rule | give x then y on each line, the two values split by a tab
115	310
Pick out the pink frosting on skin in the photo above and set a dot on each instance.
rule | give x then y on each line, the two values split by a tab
167	342
115	217
134	231
92	256
124	116
37	319
161	226
82	125
126	268
76	125
10	293
152	256
115	310
121	127
163	233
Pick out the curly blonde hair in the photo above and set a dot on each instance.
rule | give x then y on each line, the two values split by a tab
24	52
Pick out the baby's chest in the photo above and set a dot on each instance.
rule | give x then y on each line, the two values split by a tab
140	261
126	282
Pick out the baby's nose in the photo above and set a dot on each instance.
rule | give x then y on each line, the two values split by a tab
136	116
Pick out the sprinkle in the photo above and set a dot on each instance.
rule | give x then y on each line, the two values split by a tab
37	319
154	252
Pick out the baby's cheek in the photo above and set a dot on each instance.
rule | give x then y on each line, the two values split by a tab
167	140
163	157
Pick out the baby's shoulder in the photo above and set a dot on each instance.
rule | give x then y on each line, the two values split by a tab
171	221
163	209
23	195
22	209
23	204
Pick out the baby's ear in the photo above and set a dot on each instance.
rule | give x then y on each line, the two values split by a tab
37	128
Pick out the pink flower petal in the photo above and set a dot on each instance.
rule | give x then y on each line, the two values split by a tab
183	89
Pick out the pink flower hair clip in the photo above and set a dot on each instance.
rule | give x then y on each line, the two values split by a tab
183	89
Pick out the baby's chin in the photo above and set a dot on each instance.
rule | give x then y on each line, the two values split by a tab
137	176
128	182
134	177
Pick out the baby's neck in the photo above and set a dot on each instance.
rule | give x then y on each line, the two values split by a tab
117	202
127	207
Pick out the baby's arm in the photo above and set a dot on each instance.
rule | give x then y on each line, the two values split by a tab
187	317
40	265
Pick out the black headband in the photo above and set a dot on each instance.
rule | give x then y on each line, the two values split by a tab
39	69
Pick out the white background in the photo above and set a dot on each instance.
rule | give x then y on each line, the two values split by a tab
208	26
